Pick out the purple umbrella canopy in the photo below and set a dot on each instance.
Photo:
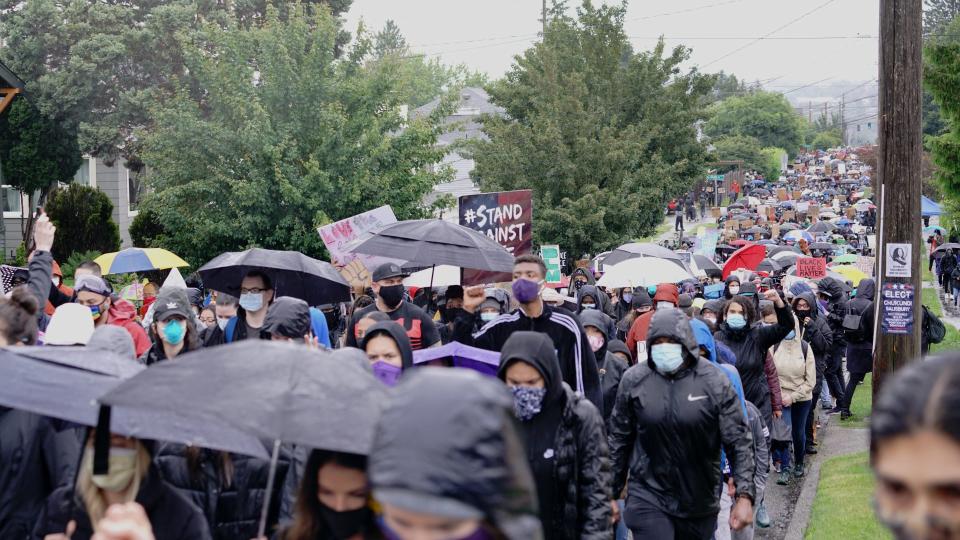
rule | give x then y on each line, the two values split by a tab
465	356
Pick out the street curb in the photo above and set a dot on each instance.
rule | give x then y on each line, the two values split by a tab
804	506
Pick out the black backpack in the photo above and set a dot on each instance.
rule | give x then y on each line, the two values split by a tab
933	329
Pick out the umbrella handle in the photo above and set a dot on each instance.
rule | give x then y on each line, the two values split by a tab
270	480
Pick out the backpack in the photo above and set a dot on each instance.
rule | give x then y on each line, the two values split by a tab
853	329
933	329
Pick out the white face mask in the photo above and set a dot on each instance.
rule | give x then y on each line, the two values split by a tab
222	322
123	466
734	289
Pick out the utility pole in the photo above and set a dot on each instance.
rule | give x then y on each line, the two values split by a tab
843	128
898	168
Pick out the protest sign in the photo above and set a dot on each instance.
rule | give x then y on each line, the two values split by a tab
797	195
551	258
781	194
814	210
898	260
355	267
897	308
811	267
789	215
505	217
866	264
708	244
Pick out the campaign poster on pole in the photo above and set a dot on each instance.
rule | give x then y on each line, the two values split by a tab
898	259
896	302
356	267
505	217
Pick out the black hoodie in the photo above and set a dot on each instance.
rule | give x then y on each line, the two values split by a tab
287	317
611	367
397	334
565	447
602	305
726	286
860	343
817	333
447	443
667	430
837	308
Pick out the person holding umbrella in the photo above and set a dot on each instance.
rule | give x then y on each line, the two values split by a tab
564	437
388	287
577	362
72	511
173	331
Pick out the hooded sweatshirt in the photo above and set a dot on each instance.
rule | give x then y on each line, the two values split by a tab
817	332
123	314
796	367
447	444
565	447
726	286
667	430
611	367
397	334
666	292
860	344
287	317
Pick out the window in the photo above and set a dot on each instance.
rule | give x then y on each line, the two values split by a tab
83	174
869	125
12	202
858	127
135	187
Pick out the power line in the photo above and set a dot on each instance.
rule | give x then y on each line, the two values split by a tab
687	10
806	86
739	38
768	34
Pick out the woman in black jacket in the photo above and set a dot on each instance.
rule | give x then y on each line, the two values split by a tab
611	367
816	332
565	439
228	488
131	477
750	342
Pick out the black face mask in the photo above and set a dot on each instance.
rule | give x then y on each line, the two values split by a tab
451	314
343	525
391	295
579	284
333	318
802	313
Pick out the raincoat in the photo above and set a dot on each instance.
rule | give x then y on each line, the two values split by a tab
565	447
123	314
447	444
667	430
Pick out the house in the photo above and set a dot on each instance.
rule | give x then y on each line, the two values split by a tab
123	186
10	86
463	124
862	132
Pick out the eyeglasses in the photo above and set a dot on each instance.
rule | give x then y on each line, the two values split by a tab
207	320
252	291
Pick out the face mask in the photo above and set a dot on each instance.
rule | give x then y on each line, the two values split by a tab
791	335
734	289
736	321
222	322
710	318
123	465
627	297
802	313
589	306
668	357
527	401
95	311
596	342
347	524
251	301
451	314
652	290
578	284
388	374
525	290
824	305
174	331
488	316
391	295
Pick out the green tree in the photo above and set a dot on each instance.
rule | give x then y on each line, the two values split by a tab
389	41
739	147
36	152
940	70
772	159
938	14
728	85
285	138
827	139
768	116
604	135
84	216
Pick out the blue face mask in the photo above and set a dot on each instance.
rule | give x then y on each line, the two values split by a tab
791	335
251	301
736	321
488	316
174	331
627	297
668	357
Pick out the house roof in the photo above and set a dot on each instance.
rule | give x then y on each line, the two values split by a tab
8	79
474	101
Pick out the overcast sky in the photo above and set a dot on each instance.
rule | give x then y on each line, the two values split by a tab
833	46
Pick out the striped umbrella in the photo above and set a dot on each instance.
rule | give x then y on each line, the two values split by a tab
138	260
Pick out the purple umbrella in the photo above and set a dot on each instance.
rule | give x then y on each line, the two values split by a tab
465	356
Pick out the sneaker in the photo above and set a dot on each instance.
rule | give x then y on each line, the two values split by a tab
763	519
835	410
810	450
799	471
776	466
784	477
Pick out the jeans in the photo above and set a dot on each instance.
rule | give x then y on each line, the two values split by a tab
855	379
824	393
647	521
833	374
956	292
621	531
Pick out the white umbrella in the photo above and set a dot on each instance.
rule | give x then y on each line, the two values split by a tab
443	275
642	272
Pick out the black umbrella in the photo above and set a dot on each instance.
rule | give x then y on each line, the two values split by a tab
756	229
725	247
637	249
60	389
769	266
274	390
706	264
944	247
786	258
787	227
823	246
760	193
430	242
773	250
821	227
293	274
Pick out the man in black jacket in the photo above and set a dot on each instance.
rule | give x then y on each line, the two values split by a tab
834	293
577	362
859	342
673	415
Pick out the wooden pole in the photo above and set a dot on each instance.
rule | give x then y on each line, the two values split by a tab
899	172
